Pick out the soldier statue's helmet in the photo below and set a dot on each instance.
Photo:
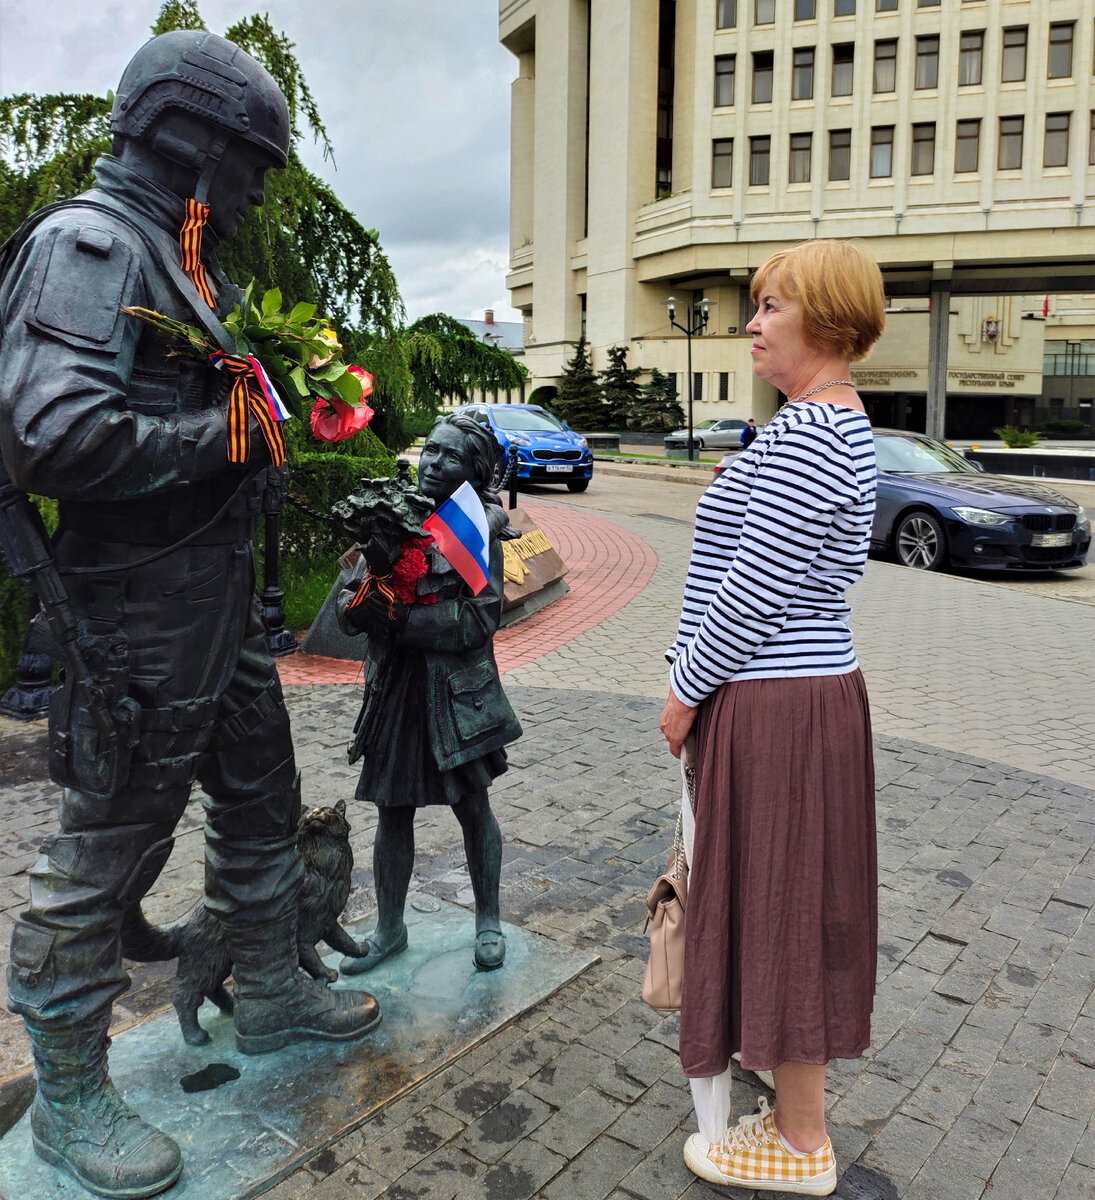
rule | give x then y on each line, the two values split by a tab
200	73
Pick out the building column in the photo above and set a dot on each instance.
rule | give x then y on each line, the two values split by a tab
938	335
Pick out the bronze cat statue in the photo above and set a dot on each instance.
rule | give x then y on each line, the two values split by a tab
197	941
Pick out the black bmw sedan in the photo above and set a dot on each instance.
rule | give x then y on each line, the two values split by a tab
935	508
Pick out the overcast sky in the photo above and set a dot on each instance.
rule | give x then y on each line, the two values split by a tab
414	94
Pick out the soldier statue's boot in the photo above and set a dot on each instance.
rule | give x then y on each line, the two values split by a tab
79	1122
277	1003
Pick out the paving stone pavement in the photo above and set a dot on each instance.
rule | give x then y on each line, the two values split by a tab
980	1080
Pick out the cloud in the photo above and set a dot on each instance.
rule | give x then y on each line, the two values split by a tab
415	98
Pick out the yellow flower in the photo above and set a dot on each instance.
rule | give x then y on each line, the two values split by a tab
318	360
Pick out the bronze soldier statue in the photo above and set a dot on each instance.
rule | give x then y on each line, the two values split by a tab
155	599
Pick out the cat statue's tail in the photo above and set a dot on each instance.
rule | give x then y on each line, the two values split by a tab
145	942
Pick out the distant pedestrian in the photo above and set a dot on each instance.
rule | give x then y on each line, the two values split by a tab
781	932
748	434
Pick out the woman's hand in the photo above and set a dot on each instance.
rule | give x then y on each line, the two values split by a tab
676	722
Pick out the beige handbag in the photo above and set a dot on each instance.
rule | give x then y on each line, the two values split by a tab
665	904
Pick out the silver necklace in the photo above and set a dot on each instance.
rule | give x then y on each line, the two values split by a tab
821	387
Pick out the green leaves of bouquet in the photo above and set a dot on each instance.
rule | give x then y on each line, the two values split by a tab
300	351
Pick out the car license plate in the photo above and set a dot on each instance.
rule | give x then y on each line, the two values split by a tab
560	467
1051	539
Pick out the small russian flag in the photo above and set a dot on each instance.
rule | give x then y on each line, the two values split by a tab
459	527
274	402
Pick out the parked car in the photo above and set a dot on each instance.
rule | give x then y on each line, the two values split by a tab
936	507
711	435
547	450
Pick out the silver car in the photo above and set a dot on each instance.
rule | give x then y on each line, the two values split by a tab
724	434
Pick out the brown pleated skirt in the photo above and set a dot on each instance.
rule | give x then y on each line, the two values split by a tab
781	937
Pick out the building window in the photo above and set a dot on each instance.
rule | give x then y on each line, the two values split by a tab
885	66
843	8
1060	51
722	162
923	148
760	155
927	61
1056	150
1091	143
697	385
800	158
971	49
805	10
881	151
663	151
1010	155
1013	66
724	80
967	143
762	77
802	74
885	6
840	153
927	3
726	15
724	386
764	12
843	69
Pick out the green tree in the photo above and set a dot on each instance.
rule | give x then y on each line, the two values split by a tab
303	239
620	387
449	362
579	401
657	409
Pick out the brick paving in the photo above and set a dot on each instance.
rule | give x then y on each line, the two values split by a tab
980	1080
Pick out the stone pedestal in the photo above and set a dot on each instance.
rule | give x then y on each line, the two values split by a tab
245	1122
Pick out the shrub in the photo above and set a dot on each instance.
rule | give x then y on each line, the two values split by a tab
1061	428
1016	439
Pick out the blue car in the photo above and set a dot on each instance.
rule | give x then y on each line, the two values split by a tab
935	507
547	450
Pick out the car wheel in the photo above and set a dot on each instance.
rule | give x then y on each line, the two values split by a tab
697	443
502	468
577	485
919	541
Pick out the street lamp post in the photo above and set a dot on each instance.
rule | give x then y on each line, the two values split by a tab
701	314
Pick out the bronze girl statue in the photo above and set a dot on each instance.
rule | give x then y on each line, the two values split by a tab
434	720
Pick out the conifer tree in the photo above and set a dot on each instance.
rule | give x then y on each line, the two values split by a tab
579	402
658	410
620	388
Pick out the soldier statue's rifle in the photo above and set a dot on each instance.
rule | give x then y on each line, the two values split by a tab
92	720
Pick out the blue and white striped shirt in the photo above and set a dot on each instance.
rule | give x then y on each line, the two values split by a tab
780	537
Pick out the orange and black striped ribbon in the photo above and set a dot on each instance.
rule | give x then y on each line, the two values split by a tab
190	243
247	400
380	583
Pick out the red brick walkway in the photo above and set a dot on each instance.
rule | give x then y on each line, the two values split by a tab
608	567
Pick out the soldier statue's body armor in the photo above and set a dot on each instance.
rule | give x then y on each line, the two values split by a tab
154	550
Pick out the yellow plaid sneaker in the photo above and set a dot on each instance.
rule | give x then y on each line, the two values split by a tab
752	1155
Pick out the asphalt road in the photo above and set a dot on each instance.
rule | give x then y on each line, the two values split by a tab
627	495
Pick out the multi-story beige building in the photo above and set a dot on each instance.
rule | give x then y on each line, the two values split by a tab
665	147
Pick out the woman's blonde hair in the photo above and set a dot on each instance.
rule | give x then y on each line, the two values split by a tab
840	288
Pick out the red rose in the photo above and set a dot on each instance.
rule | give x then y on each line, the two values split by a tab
333	420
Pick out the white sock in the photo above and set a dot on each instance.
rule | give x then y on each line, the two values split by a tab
790	1149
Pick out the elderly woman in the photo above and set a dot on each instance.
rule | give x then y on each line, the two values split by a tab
435	719
781	936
